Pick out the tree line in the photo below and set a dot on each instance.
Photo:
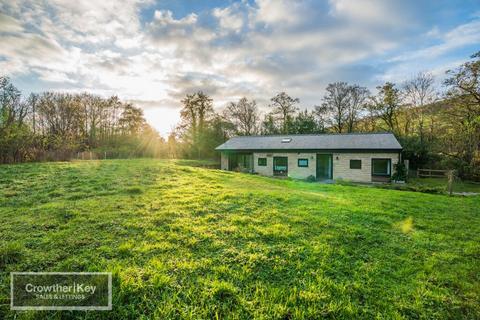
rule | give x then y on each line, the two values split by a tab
55	126
437	130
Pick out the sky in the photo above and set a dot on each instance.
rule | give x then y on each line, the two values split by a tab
152	53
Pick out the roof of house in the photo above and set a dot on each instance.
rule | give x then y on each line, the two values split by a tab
350	141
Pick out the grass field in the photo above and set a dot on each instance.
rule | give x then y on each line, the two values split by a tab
192	243
458	185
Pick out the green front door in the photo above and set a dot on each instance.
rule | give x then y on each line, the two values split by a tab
324	166
280	166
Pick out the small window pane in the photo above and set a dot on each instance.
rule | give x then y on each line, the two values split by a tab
262	162
303	162
381	167
355	164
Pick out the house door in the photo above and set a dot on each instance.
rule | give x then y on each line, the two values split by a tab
324	166
280	166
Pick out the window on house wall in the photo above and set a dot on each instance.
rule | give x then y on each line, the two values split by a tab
246	161
240	161
355	164
262	162
303	163
381	167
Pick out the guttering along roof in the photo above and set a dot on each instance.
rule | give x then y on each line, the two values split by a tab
350	141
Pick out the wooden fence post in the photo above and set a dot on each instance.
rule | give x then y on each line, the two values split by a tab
451	177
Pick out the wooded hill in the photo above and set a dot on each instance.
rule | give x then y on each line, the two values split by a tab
426	133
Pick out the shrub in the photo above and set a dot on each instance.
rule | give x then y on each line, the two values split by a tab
400	172
311	178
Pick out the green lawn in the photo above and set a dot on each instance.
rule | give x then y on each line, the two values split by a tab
187	242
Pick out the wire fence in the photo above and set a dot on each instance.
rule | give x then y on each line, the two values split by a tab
448	180
104	155
68	155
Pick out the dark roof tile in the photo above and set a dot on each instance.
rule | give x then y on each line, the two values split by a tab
352	141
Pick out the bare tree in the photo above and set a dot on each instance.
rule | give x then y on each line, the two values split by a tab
55	125
11	107
196	112
132	120
321	115
32	102
336	104
357	103
420	92
204	106
466	81
386	105
464	114
13	131
93	108
244	116
284	107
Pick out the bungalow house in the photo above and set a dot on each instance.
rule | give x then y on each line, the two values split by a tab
362	157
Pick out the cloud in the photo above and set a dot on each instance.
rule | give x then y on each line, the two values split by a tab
165	26
53	76
241	48
9	24
230	18
406	64
280	12
370	12
174	33
82	22
192	82
465	34
29	50
154	104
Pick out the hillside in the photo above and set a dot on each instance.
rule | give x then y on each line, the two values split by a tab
434	117
189	243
